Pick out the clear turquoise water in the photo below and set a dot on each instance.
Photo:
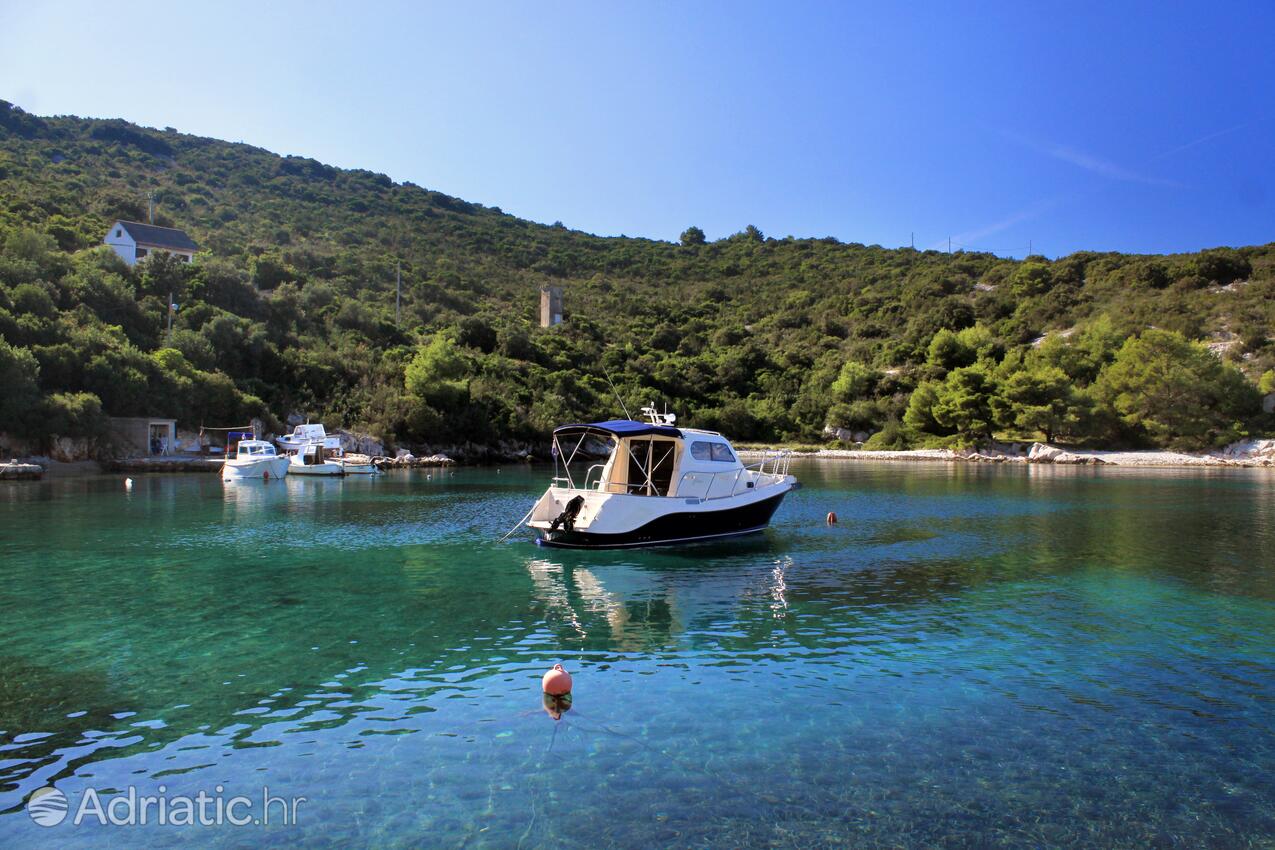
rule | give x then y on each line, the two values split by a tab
973	657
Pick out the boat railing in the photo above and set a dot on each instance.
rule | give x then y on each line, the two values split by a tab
777	459
770	470
597	485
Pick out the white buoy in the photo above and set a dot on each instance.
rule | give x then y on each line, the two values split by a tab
128	484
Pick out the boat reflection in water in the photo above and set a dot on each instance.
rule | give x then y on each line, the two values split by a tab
629	606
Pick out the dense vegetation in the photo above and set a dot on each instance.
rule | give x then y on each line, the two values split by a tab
292	309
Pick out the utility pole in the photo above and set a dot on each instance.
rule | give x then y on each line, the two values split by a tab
170	319
1029	247
150	212
949	244
913	241
398	291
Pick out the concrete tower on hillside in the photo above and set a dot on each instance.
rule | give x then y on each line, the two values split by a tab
550	306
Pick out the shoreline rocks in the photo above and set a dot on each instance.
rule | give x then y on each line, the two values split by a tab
406	460
1245	454
1044	453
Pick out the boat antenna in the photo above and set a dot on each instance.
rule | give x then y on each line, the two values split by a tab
617	392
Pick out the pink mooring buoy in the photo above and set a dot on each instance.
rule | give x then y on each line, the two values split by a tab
832	517
556	682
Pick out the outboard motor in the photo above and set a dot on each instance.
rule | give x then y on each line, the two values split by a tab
567	519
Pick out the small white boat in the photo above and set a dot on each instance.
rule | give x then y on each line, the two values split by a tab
254	459
357	464
315	459
658	484
302	435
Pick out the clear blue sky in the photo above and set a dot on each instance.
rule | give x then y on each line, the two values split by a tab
1103	126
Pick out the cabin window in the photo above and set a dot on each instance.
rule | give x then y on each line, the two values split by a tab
701	450
141	252
118	233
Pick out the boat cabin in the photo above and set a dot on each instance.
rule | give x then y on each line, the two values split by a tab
644	459
253	449
308	433
314	454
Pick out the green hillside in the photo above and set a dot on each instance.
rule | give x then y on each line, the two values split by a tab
292	309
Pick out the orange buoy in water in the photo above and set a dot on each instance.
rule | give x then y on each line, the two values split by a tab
556	682
832	517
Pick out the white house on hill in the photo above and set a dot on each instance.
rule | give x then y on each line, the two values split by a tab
133	240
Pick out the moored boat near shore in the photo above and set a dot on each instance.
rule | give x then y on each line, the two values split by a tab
357	464
314	459
254	459
302	435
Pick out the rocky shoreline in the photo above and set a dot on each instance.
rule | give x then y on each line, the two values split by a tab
407	460
1247	453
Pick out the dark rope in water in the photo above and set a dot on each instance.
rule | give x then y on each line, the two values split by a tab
539	762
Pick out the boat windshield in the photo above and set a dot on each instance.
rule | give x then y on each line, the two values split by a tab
578	455
595	459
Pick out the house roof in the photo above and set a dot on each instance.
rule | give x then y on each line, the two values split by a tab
159	237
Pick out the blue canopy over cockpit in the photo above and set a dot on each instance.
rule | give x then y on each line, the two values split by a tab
621	428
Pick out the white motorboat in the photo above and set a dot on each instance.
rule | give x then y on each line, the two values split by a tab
254	459
358	464
302	435
315	459
657	484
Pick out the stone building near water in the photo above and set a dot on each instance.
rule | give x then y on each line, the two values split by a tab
144	436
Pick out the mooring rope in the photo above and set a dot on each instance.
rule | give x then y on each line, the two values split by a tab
519	525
